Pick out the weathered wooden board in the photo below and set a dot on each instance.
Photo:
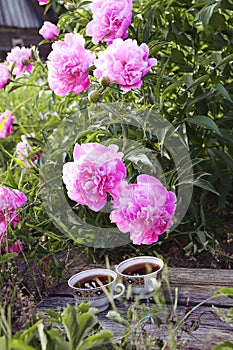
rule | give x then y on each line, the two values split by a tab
202	329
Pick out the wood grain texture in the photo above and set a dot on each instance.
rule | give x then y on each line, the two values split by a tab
201	330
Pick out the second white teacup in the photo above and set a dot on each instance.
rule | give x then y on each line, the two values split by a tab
141	274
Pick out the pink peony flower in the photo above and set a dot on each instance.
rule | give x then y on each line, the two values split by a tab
96	171
43	2
110	20
49	31
144	209
6	120
23	149
4	76
21	57
10	201
125	63
67	68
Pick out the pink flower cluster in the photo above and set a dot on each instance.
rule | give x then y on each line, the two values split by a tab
123	62
10	201
6	120
21	58
145	209
23	149
68	65
110	20
95	172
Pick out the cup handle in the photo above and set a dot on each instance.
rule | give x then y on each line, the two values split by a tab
153	284
122	286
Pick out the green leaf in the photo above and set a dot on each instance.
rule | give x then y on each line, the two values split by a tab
178	56
30	333
218	21
198	81
98	341
69	319
4	258
140	158
170	88
206	185
55	339
14	87
116	317
77	325
42	335
225	158
151	317
225	60
205	122
226	345
10	178
225	291
206	13
193	101
223	92
18	344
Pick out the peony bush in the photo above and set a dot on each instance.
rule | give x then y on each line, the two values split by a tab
115	171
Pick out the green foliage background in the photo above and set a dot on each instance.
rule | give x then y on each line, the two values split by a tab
191	87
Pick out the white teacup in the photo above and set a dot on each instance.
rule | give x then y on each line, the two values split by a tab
95	286
141	274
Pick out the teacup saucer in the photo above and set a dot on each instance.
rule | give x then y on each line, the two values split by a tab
102	308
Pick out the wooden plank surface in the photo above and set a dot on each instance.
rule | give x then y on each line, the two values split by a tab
201	330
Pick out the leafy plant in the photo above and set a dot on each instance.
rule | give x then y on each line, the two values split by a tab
228	317
75	328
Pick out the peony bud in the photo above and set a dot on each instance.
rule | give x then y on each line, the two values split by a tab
49	31
94	96
105	81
